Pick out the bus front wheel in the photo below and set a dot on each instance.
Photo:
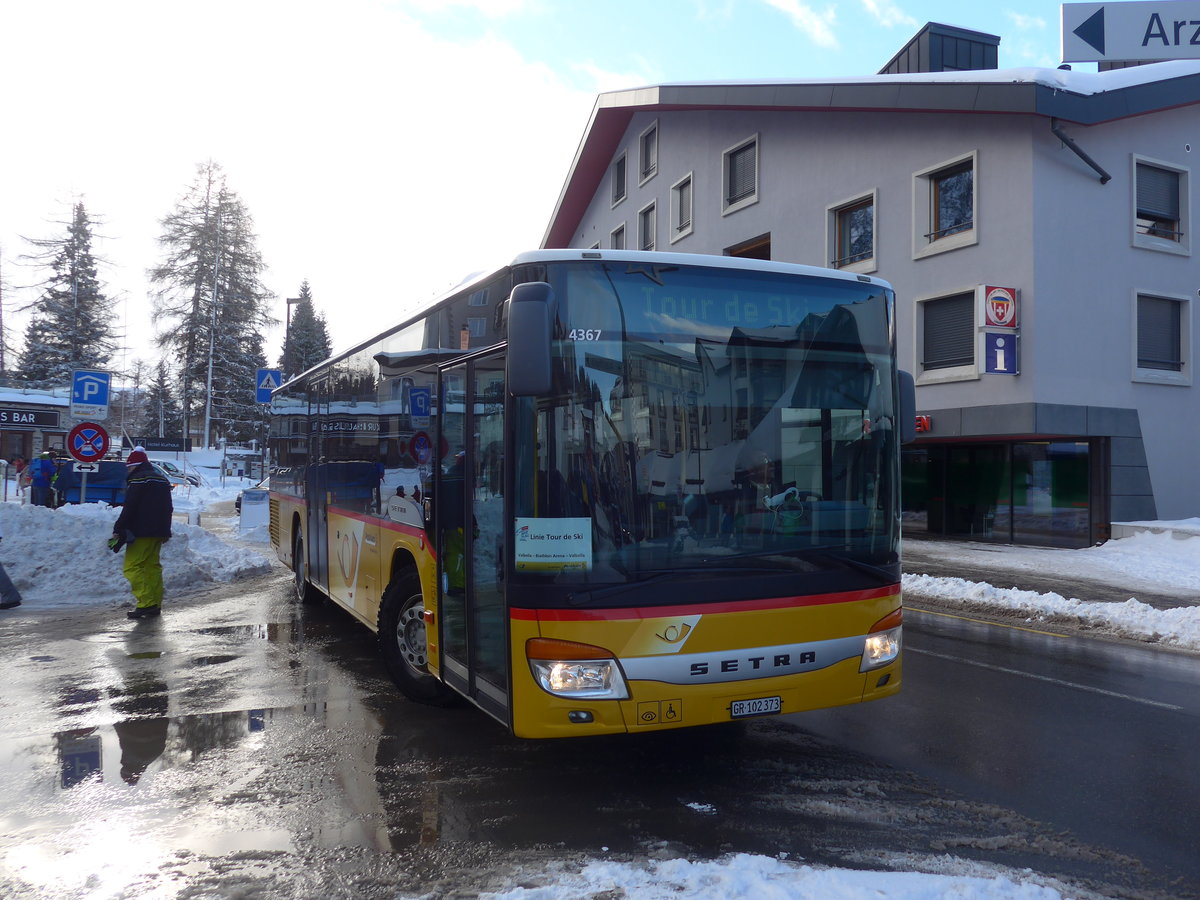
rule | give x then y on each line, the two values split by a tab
402	634
305	592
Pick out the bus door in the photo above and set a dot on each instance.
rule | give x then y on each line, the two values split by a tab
470	526
317	486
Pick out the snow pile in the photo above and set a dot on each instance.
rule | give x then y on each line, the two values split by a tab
748	877
1177	627
58	557
1157	562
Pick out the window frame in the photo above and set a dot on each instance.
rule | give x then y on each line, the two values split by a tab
1146	241
924	207
833	232
652	209
679	229
729	205
645	174
621	163
1147	375
613	238
940	375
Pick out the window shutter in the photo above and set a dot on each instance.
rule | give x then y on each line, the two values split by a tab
1158	334
949	332
1157	192
742	174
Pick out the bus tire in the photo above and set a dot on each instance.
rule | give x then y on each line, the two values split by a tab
304	591
402	639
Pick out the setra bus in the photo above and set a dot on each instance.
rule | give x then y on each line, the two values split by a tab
600	491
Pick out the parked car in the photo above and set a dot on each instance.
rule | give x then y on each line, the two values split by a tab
175	473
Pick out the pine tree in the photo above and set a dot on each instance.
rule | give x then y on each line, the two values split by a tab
72	327
306	342
215	305
161	415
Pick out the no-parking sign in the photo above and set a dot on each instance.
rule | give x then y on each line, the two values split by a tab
87	442
421	448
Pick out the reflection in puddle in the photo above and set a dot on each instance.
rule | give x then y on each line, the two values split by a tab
146	736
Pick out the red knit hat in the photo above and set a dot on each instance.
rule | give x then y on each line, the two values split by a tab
136	458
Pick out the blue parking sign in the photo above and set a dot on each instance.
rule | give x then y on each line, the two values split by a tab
420	399
89	394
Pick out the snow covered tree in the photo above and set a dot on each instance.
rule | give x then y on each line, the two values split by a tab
72	325
306	341
210	296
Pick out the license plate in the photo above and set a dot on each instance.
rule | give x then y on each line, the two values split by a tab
759	706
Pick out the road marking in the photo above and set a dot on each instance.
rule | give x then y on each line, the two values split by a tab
930	612
1058	681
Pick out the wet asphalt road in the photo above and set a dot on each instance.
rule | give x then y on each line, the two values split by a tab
244	746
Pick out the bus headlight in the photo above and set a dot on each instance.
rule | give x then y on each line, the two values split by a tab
578	671
882	644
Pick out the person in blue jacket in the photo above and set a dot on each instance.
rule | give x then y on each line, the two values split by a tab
145	525
41	471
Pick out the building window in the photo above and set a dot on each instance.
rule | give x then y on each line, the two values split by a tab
616	238
1161	329
648	146
740	167
618	180
852	234
477	325
945	206
647	224
953	201
478	298
1160	206
948	335
681	208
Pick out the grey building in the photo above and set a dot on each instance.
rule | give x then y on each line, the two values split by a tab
1036	224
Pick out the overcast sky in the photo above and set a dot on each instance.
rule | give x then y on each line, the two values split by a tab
384	149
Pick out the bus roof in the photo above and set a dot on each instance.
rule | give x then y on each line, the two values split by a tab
534	257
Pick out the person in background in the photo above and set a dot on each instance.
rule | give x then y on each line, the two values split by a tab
9	595
144	524
41	471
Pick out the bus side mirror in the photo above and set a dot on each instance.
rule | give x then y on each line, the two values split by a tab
908	407
531	316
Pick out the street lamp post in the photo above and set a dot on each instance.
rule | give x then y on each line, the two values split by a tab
287	338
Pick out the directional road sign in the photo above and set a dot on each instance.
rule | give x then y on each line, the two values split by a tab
87	442
1142	31
89	394
264	382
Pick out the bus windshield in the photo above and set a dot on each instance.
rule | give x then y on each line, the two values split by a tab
709	420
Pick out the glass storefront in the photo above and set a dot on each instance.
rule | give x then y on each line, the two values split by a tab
1022	492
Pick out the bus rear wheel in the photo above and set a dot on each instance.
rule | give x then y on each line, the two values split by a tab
402	636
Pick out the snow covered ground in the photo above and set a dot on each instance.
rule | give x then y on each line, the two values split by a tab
58	560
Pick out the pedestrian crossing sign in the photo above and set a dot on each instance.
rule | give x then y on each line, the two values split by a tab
266	381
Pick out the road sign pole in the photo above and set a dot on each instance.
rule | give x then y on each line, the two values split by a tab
82	488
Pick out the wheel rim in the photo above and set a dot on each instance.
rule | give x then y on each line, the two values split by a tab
410	635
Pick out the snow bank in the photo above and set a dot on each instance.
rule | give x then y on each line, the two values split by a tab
749	877
58	557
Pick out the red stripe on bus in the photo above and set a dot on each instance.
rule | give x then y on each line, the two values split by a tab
656	612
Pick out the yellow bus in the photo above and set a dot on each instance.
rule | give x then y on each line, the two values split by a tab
599	491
